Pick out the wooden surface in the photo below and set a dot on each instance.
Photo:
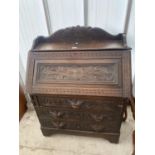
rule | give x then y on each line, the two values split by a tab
122	87
22	102
80	38
82	89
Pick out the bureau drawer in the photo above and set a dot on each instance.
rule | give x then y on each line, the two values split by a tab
80	103
72	115
113	126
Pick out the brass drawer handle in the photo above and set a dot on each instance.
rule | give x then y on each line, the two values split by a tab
58	124
97	117
75	103
56	114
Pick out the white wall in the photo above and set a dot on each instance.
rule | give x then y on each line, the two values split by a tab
131	41
131	36
31	24
64	13
107	14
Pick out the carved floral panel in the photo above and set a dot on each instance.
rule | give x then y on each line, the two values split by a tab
79	73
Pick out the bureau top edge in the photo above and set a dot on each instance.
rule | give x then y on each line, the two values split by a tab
80	38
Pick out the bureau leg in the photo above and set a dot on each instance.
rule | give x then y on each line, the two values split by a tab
112	138
46	132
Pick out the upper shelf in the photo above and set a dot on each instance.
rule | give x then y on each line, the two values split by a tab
80	38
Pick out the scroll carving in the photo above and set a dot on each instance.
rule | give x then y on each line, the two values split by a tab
78	34
82	73
75	103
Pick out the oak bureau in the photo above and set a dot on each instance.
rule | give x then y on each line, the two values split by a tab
79	80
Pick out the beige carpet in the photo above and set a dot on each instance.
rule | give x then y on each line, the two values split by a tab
32	142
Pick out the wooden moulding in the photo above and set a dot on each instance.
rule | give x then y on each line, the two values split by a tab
112	137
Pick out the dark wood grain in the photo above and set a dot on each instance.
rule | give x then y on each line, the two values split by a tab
80	38
79	80
22	103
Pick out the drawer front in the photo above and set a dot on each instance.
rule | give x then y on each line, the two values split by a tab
72	115
76	120
80	103
81	126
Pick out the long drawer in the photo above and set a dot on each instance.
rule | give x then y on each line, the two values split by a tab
111	126
72	115
79	112
110	105
78	120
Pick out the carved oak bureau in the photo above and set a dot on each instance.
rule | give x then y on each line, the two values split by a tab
79	80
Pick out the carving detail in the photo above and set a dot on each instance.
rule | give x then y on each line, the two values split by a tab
56	115
84	73
58	124
78	34
77	120
75	103
98	117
